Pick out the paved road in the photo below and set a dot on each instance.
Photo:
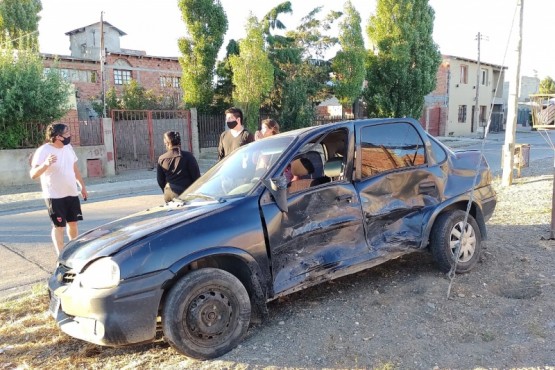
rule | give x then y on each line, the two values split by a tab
540	148
26	252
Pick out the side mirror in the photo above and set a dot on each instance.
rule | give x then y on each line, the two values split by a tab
278	188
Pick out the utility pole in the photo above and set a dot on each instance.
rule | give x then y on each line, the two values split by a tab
102	63
514	88
477	101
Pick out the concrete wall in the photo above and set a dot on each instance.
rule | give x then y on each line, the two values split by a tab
15	164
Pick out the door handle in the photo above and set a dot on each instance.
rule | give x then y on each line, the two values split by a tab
346	197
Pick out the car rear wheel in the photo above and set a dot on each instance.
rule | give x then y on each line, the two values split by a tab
447	233
206	313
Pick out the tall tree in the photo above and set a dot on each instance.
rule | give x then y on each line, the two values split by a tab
19	20
547	86
206	23
271	21
312	39
223	93
253	74
284	56
402	68
348	65
29	97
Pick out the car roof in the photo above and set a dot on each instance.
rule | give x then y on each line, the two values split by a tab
331	126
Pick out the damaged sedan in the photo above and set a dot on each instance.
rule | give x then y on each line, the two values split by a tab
274	217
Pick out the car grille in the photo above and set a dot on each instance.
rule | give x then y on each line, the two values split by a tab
65	275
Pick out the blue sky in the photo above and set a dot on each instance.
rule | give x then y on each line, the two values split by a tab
155	26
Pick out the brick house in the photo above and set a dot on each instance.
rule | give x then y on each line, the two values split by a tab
449	109
82	68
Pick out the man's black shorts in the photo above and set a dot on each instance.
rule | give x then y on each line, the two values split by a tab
63	210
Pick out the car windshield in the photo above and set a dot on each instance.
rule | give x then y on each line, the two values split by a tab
239	172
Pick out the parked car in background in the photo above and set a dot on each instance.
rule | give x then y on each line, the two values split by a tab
276	216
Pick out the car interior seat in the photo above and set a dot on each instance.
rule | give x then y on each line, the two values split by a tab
303	169
333	169
316	159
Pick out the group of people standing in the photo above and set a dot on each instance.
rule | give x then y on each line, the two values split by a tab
55	163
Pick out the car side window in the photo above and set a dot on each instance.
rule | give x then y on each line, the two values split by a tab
389	147
438	151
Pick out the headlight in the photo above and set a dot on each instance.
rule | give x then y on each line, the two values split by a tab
102	273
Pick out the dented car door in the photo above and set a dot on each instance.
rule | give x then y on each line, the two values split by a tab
395	184
320	234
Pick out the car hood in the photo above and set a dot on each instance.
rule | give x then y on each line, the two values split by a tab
111	237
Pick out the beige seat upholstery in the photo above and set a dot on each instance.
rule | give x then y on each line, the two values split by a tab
302	168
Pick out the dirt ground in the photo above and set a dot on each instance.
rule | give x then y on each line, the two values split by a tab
394	316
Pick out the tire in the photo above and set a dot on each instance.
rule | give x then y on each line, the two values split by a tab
446	233
206	313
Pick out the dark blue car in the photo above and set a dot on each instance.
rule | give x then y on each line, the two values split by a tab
276	216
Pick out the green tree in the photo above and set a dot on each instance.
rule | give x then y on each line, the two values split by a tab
19	20
547	86
30	97
223	93
312	39
136	97
253	74
284	56
296	110
206	23
402	68
348	65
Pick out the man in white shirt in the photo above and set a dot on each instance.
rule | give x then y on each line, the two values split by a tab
56	164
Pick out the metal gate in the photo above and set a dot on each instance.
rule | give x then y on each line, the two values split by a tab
138	136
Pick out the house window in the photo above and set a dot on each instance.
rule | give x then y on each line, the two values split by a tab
464	74
122	77
169	81
484	77
462	113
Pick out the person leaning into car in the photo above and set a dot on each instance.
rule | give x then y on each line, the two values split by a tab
177	169
56	164
236	136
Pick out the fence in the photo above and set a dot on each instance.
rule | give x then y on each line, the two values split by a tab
83	133
138	136
209	129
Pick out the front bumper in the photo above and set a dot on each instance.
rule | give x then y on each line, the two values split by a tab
117	316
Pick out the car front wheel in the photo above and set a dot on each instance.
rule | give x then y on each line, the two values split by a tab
206	313
447	234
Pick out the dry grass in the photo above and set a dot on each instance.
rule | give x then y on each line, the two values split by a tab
31	340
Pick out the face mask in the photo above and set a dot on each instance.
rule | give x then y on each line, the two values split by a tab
231	124
66	140
264	129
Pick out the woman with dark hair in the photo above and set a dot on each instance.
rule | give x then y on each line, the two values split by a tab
177	169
